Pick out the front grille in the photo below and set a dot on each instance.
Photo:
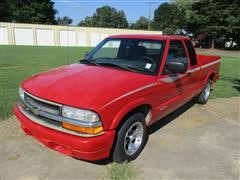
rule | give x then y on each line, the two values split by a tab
38	105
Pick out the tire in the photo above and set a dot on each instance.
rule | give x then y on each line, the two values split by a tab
204	95
131	139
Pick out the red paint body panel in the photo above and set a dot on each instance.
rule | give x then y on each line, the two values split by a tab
112	93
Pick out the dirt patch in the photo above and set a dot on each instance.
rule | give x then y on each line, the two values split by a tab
196	141
218	52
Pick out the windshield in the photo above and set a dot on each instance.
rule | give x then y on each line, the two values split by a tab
137	55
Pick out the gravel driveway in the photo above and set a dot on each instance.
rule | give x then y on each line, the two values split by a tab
195	142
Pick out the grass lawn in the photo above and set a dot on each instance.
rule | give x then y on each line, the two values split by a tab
228	84
117	171
20	62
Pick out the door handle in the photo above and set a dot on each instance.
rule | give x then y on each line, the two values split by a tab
189	74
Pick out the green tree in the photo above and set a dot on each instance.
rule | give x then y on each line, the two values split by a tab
5	14
64	20
27	11
166	18
106	16
217	21
87	22
141	23
184	12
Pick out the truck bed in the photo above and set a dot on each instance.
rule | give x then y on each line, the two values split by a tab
207	59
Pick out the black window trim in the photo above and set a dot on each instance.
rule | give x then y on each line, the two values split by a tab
196	62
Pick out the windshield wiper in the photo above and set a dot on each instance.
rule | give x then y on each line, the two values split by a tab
117	65
109	64
88	61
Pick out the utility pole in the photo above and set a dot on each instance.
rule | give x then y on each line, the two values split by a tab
149	14
101	21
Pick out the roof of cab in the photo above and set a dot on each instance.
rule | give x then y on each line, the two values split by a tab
147	36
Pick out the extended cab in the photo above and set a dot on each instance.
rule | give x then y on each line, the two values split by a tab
102	106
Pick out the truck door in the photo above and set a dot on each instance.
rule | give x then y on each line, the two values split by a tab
194	69
173	89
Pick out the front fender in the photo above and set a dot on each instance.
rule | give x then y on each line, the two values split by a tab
126	109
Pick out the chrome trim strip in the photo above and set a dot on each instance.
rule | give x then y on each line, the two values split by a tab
193	70
209	64
162	108
58	128
172	79
43	100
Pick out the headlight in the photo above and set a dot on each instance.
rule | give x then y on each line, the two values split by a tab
79	114
21	93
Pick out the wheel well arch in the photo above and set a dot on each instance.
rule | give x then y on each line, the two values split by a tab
144	109
211	76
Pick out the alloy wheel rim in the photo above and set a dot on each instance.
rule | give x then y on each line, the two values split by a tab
133	138
207	91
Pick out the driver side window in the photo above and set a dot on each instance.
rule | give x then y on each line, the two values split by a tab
176	53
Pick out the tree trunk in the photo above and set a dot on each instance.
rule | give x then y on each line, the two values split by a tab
212	41
231	44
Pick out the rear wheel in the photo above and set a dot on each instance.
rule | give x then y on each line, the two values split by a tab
131	138
204	95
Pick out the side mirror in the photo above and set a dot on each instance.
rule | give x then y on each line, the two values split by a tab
176	67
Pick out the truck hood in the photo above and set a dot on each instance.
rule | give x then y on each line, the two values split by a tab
81	85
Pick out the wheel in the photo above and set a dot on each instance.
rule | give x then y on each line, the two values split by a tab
131	139
204	95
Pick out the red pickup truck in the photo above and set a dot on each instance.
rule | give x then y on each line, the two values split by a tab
102	106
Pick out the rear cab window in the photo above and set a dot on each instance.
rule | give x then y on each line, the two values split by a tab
191	52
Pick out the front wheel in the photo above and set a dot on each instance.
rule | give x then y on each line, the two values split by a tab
131	138
204	95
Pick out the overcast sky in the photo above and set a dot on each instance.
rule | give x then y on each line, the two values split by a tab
79	9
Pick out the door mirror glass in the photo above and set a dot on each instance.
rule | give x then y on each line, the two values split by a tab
176	67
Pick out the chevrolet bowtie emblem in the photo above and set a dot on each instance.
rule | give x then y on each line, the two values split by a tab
36	110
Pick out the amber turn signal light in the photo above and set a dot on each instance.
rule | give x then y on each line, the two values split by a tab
87	130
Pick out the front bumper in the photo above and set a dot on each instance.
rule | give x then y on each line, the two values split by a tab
86	148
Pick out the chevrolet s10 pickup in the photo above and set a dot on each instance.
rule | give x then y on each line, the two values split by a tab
102	106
